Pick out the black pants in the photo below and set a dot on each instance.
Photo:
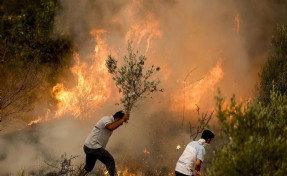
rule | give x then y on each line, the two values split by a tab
179	174
92	155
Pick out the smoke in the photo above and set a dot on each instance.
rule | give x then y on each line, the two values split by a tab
35	147
185	37
194	34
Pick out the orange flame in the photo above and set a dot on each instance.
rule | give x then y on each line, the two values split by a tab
126	172
147	28
35	121
40	119
195	91
92	84
123	172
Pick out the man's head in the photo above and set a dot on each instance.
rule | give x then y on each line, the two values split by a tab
119	115
207	135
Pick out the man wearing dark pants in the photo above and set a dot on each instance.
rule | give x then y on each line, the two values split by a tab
95	143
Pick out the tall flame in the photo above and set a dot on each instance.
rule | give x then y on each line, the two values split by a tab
147	28
92	83
193	92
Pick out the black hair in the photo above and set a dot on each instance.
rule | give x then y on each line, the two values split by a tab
207	135
119	114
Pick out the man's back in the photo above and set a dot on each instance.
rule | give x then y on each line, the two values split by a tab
99	135
97	140
194	150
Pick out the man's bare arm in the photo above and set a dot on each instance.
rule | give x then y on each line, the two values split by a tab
114	125
197	167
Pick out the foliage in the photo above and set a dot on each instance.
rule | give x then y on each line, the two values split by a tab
26	32
274	72
64	167
28	48
257	138
16	92
131	80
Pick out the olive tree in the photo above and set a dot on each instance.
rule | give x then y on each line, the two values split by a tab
131	78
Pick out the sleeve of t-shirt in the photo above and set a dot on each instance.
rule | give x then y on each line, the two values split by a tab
106	120
200	154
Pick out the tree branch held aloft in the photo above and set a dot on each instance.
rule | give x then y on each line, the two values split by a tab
132	80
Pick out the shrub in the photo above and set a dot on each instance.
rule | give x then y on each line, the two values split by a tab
256	138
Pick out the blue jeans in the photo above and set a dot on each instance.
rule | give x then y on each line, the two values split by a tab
92	155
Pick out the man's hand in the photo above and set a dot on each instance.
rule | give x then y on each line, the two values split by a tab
126	117
197	167
197	173
119	121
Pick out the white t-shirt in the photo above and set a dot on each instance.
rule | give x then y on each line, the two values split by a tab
99	136
186	162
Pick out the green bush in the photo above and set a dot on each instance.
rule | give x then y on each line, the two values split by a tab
274	71
256	138
31	54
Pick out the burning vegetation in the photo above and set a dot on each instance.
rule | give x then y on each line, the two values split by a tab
62	68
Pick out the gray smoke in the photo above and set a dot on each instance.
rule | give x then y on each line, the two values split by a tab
194	34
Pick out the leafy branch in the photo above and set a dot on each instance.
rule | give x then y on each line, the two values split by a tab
132	81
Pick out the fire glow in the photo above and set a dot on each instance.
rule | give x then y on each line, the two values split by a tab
150	31
193	92
92	84
35	121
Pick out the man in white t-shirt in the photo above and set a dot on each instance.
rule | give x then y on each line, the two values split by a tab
95	143
189	162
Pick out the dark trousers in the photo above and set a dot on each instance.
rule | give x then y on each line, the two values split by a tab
92	155
179	174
